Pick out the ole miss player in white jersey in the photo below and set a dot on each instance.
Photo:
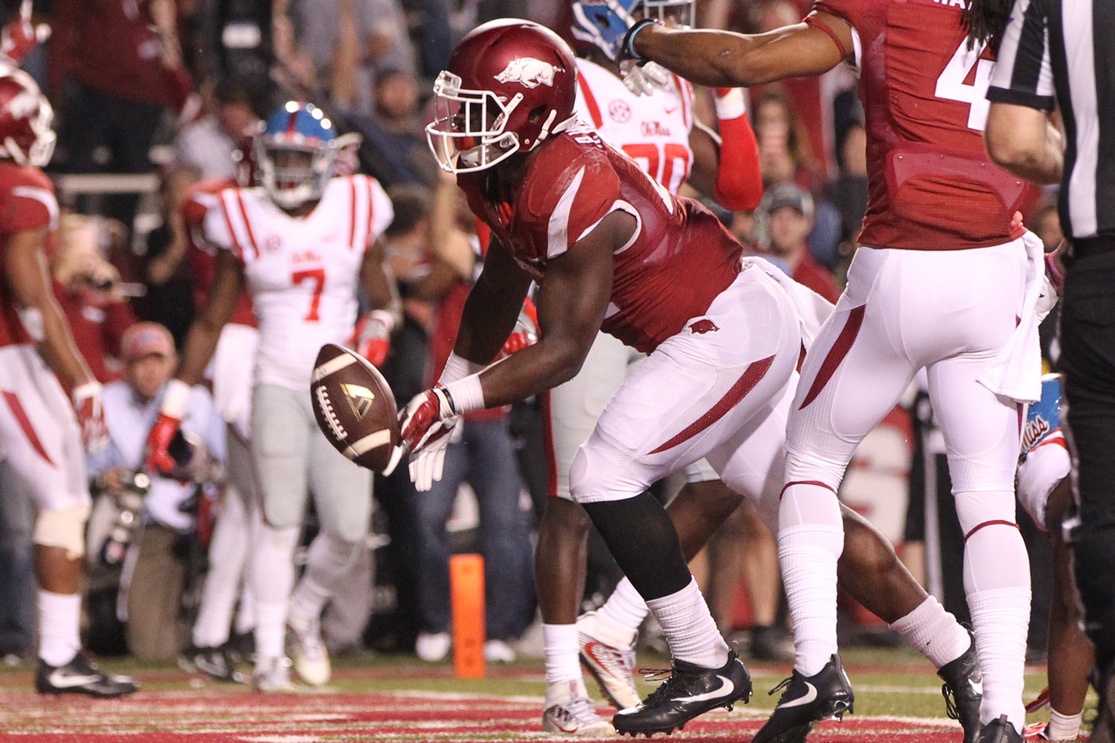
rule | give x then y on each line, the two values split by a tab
40	437
1045	491
304	246
947	280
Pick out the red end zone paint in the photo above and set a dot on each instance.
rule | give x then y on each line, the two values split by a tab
218	713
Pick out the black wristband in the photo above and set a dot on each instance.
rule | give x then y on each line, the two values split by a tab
627	47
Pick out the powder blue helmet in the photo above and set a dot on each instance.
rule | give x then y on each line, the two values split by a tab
296	152
605	22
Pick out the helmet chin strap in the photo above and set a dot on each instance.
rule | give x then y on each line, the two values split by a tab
556	128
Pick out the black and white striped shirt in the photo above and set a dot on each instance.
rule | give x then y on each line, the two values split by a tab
1063	52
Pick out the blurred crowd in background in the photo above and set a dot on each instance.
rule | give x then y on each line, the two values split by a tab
155	96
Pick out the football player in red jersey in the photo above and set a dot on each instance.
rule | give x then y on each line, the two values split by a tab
40	437
613	250
608	245
947	280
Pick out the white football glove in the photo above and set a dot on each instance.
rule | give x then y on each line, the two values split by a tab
643	79
427	425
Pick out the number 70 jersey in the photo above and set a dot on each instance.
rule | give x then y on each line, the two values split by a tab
303	273
931	185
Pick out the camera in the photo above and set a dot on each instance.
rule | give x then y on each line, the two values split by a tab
129	504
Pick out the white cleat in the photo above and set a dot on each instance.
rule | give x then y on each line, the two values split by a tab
309	655
433	647
498	651
574	715
612	666
272	676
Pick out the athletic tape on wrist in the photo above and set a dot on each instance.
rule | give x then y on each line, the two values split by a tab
174	399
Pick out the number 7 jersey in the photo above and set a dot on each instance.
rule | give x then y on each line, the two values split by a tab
931	185
303	273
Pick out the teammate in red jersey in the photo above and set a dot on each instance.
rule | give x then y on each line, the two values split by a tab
947	281
40	438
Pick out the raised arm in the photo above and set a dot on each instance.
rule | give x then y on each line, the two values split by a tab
726	59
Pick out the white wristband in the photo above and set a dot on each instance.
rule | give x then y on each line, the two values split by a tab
174	399
457	367
85	391
384	317
731	106
467	394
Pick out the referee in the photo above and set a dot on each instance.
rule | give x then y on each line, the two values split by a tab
1063	52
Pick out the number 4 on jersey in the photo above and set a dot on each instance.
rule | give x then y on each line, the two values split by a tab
952	85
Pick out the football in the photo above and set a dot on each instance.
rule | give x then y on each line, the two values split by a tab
355	408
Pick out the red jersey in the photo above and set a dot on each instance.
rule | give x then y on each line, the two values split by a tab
26	203
202	256
931	184
679	259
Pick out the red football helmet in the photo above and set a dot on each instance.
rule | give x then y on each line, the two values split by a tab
510	84
25	119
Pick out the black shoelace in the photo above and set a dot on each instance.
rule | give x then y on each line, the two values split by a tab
785	684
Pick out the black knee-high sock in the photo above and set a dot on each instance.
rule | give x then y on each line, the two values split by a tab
643	540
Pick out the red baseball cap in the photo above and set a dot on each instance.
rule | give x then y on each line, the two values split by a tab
146	339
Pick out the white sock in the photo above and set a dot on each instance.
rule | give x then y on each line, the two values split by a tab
997	583
933	632
328	564
689	628
59	619
272	576
611	632
563	653
625	606
228	555
810	540
1063	727
564	691
270	631
245	613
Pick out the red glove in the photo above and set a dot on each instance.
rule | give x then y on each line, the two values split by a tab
19	37
158	459
372	338
525	332
158	444
426	424
90	415
739	179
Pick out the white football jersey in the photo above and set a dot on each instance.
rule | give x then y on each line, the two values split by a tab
303	273
652	129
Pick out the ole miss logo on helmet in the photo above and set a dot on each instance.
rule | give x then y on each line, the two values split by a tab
529	72
703	326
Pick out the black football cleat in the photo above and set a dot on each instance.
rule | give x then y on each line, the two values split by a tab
214	662
806	701
80	676
999	731
691	690
963	691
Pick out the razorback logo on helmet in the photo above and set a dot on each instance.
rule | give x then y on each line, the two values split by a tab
703	326
528	72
